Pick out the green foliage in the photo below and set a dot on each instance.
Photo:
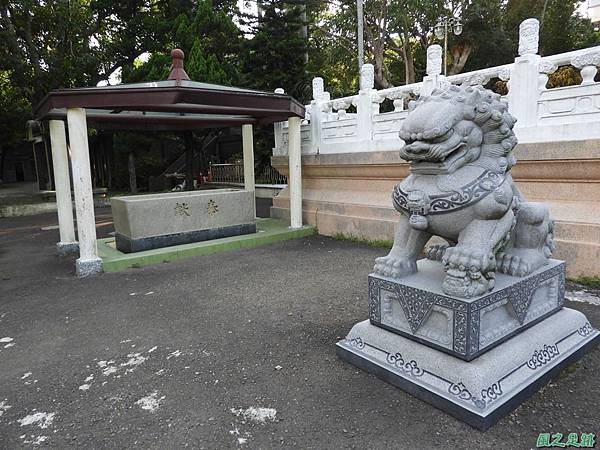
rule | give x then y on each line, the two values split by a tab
209	38
48	45
485	32
587	281
397	33
561	29
274	57
14	106
205	67
54	44
564	76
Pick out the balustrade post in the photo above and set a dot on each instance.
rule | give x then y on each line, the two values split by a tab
365	107
523	94
434	69
316	114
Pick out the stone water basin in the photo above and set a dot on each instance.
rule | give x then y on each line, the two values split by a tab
144	222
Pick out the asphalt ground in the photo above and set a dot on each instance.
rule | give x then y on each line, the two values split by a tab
186	354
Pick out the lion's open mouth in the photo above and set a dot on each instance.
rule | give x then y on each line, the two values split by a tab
436	150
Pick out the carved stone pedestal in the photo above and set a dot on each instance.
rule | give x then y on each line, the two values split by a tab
416	307
477	358
478	392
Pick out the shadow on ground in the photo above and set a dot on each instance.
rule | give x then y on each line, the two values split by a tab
172	355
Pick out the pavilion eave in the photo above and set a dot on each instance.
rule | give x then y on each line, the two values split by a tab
269	108
157	122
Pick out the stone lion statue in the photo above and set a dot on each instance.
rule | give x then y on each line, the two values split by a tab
459	143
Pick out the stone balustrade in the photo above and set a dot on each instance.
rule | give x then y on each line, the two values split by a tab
355	123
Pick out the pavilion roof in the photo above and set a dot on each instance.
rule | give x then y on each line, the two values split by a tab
174	104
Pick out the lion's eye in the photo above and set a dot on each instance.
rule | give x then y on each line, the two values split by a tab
443	137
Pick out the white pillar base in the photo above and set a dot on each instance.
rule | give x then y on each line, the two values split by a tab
88	262
89	267
67	248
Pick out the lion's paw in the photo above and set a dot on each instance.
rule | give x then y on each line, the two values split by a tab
468	259
520	262
394	267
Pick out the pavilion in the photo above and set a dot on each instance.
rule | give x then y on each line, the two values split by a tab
177	104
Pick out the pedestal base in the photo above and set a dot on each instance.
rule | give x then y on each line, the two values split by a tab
128	245
67	248
85	268
482	391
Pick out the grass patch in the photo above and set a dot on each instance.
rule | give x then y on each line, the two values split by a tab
592	282
379	243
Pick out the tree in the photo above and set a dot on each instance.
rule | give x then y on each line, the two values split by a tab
14	106
210	40
484	41
47	45
562	29
274	57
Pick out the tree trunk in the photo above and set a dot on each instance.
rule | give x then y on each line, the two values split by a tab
410	68
132	177
381	81
304	31
409	63
460	55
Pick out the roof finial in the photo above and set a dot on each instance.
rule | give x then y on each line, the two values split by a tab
177	71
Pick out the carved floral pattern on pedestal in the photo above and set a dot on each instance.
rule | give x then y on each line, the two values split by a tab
585	330
357	342
416	306
407	367
543	356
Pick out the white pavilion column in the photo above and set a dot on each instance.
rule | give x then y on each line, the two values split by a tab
295	172
248	148
248	152
88	262
60	163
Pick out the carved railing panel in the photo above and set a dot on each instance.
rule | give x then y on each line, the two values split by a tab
331	125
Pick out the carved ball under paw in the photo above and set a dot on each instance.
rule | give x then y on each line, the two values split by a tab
466	286
436	252
394	267
469	272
